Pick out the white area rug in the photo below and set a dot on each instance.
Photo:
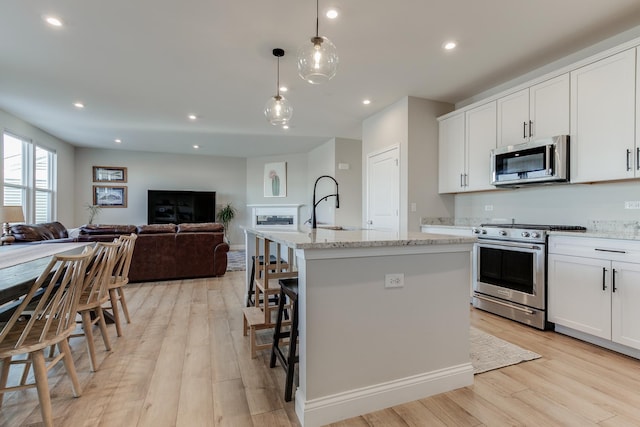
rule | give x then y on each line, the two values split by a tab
489	352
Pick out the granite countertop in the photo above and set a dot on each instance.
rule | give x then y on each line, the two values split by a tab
323	238
626	234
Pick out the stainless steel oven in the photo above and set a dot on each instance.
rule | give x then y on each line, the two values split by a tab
509	271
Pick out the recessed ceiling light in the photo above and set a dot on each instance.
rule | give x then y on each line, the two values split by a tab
284	89
53	21
366	101
192	117
449	45
78	105
196	146
332	14
117	140
285	127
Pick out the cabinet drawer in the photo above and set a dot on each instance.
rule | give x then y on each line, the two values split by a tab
591	247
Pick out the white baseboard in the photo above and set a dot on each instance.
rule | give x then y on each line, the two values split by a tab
333	408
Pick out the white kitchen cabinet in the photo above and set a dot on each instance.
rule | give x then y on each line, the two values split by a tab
480	138
625	321
603	115
465	145
539	111
578	298
594	287
451	154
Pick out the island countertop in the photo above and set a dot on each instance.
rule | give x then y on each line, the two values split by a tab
324	238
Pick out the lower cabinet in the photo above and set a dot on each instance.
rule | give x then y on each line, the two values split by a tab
593	289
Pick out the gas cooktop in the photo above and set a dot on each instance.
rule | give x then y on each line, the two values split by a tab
543	227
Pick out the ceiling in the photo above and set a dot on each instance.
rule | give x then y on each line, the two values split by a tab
140	67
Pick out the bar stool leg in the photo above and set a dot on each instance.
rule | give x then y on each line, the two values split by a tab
292	359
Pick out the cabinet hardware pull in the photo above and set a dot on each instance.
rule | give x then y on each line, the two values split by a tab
628	156
461	183
638	158
616	251
530	128
524	130
613	280
604	276
466	180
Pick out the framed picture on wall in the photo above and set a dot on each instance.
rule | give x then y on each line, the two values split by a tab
275	179
110	197
109	174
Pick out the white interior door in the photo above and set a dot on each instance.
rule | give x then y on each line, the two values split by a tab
383	190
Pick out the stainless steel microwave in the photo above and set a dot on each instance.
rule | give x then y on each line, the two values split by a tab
544	160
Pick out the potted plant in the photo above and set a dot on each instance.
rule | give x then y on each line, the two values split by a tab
225	215
94	211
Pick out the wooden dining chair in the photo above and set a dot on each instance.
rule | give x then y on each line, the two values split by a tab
94	294
51	323
119	278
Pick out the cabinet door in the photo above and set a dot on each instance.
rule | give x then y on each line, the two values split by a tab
451	154
549	108
625	303
580	294
603	119
480	139
513	118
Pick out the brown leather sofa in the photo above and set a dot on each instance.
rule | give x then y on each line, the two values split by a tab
162	251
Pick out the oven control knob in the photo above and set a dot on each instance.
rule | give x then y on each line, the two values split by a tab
484	231
535	235
503	233
525	234
475	231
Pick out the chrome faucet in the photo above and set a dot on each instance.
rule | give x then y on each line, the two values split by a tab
314	203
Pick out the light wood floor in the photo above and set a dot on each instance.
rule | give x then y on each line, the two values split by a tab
184	362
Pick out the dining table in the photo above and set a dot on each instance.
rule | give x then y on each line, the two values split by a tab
21	264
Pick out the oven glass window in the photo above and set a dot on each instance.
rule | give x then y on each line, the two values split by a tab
508	269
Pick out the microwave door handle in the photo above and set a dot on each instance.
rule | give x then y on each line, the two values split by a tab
548	157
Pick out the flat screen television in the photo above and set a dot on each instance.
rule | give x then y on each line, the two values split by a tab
175	207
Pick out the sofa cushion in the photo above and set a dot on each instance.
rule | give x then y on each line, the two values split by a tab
156	228
31	232
58	230
96	229
200	227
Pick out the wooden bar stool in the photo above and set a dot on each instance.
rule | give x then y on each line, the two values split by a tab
272	262
288	288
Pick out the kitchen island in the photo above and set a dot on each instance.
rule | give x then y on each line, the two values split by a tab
369	340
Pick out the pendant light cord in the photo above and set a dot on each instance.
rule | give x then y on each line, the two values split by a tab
317	17
278	80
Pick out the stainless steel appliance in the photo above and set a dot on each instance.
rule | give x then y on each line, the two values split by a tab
545	160
509	270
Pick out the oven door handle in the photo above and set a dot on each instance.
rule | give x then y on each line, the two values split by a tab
526	310
509	244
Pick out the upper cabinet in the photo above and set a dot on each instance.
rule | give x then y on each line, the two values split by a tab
603	102
465	143
535	112
451	154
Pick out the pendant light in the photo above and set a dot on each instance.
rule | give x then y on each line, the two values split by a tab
318	61
278	111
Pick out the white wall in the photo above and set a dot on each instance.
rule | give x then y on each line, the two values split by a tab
573	204
64	211
321	161
349	151
297	191
157	171
411	124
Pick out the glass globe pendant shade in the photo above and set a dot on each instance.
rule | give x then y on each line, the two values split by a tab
318	60
278	111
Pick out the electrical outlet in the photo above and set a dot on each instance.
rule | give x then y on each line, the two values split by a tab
488	207
632	204
394	280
